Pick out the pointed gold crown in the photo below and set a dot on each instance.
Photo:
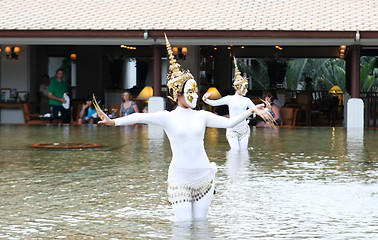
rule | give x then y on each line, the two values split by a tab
176	77
238	79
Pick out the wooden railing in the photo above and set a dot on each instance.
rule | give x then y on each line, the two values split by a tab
371	108
320	97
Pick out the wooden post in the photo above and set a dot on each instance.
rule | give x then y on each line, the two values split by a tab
157	69
348	67
355	71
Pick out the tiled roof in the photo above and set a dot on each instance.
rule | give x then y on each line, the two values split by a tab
292	15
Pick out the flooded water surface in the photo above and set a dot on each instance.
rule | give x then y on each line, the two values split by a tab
302	183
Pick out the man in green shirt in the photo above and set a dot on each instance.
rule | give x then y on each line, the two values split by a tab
57	89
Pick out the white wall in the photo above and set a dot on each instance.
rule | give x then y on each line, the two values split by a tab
54	64
14	74
129	73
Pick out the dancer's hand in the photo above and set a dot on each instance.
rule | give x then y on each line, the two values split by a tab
264	114
267	102
104	118
261	111
261	105
206	96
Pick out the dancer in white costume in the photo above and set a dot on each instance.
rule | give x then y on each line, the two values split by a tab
237	136
190	175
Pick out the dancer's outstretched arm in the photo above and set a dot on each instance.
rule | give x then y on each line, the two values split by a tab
214	103
157	118
213	120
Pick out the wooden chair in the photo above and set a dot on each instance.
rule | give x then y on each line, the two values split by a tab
305	100
76	109
288	116
141	104
31	118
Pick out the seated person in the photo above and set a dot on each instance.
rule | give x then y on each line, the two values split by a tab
274	111
88	113
128	106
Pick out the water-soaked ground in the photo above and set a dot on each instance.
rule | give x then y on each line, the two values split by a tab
302	183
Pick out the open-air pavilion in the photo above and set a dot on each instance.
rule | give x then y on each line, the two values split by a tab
100	182
94	31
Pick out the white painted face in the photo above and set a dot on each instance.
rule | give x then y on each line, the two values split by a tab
244	88
190	93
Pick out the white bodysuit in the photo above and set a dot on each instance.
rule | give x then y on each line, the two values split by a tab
191	175
237	136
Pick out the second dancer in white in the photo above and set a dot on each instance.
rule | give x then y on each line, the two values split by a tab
237	136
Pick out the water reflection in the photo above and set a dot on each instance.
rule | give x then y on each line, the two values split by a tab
155	132
355	144
237	165
193	230
271	139
157	140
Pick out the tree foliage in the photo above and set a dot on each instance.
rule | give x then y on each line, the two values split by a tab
324	72
257	72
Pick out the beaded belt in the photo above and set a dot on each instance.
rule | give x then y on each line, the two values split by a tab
194	188
230	133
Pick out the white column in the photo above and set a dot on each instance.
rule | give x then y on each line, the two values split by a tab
73	79
355	113
73	74
155	104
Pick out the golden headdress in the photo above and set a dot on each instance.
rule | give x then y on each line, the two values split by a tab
238	79
176	77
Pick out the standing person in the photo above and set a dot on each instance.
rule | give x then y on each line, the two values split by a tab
190	175
128	106
237	136
57	90
44	94
309	87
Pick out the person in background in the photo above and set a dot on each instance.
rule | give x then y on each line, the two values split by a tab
309	87
88	113
128	106
44	94
57	89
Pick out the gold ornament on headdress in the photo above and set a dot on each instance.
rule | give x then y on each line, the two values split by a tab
238	79
176	77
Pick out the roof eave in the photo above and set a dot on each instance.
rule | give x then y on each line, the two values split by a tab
255	37
184	33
